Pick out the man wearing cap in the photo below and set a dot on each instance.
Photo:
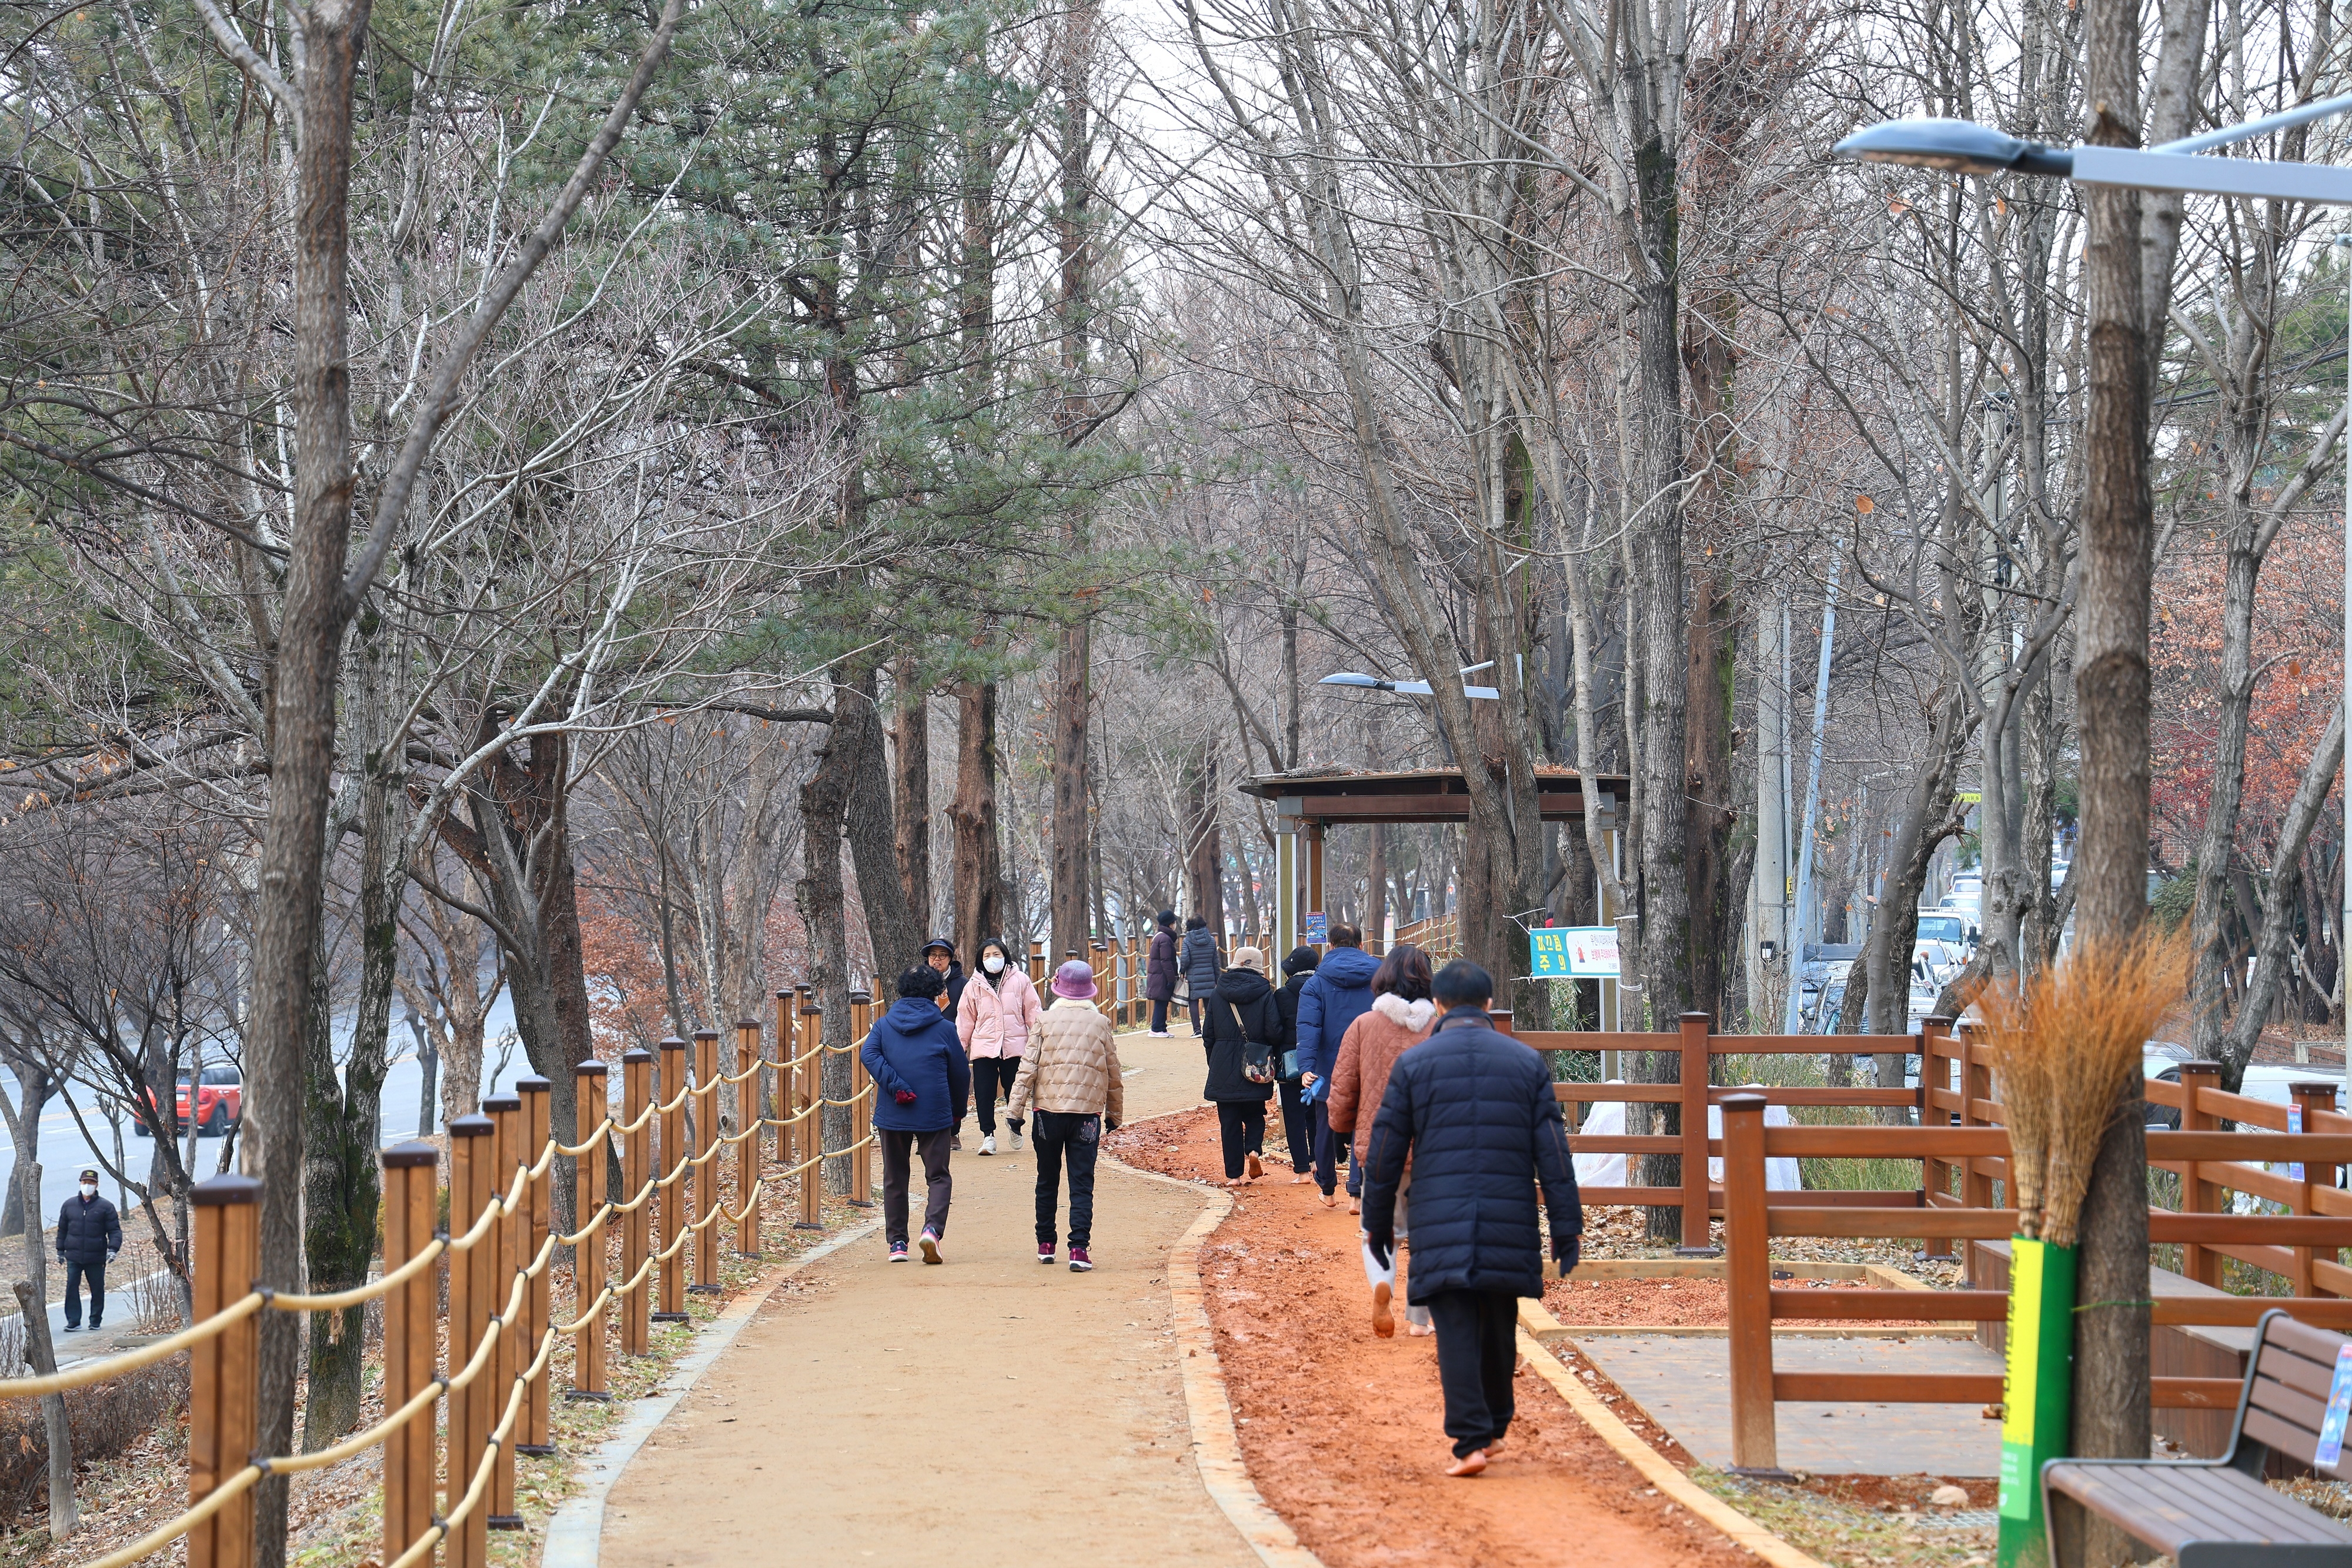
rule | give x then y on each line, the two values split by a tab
1071	1077
941	954
89	1234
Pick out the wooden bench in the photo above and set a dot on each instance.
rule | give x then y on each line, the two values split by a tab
2217	1513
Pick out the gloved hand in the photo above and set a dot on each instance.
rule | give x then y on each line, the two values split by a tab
1109	1125
110	1257
904	1097
1566	1251
1382	1247
1015	1123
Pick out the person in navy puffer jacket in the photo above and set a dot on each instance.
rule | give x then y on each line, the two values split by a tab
1338	994
922	1081
1475	1111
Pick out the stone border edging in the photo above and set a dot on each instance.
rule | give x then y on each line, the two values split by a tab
575	1532
1536	1321
1216	1443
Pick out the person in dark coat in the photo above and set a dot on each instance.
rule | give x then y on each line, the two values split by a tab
1297	1115
1160	976
1196	960
1340	993
1475	1111
941	954
1245	1035
89	1233
922	1083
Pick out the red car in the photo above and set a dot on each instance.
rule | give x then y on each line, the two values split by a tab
220	1102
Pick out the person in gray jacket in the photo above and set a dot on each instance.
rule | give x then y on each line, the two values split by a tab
1196	960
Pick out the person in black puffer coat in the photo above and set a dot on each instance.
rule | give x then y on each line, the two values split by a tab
1297	1115
1474	1110
1243	1036
89	1234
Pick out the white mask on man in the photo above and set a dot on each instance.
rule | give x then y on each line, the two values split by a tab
993	963
90	1189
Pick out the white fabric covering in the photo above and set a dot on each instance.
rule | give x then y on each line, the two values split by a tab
1608	1120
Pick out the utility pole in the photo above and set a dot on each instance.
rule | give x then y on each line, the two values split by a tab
1801	938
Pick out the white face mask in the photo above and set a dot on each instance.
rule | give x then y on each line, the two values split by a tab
90	1189
993	963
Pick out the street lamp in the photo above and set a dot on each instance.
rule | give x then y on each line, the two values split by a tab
1411	689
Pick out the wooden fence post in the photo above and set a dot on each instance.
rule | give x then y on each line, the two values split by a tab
779	1086
411	1334
1976	1179
2310	1099
473	1153
706	1175
1747	1278
750	1105
508	1361
588	1257
1037	964
1935	1073
1697	1241
532	1435
672	1182
637	1225
2198	1196
809	1141
861	1162
223	1415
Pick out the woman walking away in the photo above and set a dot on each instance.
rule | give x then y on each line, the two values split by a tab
1340	993
1401	1017
1297	1115
921	1081
1160	979
1244	1031
1071	1078
1196	960
994	1021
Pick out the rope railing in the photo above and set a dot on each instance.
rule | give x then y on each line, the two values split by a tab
499	1248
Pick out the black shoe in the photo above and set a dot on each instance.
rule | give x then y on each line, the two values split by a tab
73	1328
95	1326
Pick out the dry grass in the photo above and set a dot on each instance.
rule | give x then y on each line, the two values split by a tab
2064	1046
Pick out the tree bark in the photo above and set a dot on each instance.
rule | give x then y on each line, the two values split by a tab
910	780
2271	947
32	1309
979	870
895	924
825	804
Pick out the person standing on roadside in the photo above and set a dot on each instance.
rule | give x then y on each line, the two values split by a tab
1071	1079
1244	1031
1297	1115
89	1234
1473	1110
922	1080
941	954
1196	960
1160	976
1339	994
1398	1019
994	1021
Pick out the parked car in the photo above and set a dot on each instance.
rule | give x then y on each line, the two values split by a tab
1948	926
220	1102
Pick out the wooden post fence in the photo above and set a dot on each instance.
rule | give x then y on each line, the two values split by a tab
861	1115
506	1114
473	1148
706	1171
808	1142
411	1335
637	1228
1694	1065
539	1203
2198	1196
751	1105
588	1257
224	1417
672	1182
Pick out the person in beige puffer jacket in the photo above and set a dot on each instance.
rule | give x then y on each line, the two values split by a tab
1070	1077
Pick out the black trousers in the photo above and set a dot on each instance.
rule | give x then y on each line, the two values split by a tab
1241	1128
1159	1015
76	1273
939	1186
1059	1138
1197	1003
1297	1127
989	1074
1477	1347
1326	1176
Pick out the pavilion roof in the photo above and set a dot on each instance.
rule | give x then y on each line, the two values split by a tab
1421	795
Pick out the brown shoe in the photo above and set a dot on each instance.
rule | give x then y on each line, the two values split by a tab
1383	1320
1468	1465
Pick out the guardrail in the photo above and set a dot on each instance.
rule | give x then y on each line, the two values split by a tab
499	1252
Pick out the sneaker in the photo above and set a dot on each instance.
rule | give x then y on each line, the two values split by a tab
1046	1254
898	1252
955	1145
931	1247
988	1144
1162	1034
1016	1142
1079	1261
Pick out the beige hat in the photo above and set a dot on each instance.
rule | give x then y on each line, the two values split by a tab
1249	959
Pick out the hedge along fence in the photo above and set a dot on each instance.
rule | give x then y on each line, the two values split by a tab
499	1248
1753	1217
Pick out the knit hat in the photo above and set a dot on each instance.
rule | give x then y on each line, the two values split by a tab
1075	980
1249	959
1301	960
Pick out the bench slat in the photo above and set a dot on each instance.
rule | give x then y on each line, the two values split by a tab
2295	1370
2169	1504
2312	1344
2290	1407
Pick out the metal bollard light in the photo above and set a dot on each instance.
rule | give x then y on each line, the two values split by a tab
672	1183
508	1361
538	1201
637	1170
473	1147
588	1256
706	1175
224	1419
412	1324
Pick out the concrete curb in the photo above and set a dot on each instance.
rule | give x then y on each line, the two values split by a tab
1539	1330
575	1534
1216	1444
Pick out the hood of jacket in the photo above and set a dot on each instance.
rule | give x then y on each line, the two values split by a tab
1350	968
1242	986
908	1015
1414	1016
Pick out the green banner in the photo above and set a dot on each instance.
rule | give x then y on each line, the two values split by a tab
2037	1391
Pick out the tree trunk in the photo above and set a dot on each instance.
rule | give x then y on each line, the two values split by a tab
32	1309
910	782
979	870
825	804
1069	827
1919	827
2279	915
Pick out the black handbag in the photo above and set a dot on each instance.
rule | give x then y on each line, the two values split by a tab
1256	1063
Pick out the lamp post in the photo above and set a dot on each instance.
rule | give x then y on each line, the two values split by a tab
2344	916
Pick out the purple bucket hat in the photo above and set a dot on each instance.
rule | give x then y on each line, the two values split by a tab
1075	980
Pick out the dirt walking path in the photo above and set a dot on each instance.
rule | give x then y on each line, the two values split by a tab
1343	1432
985	1412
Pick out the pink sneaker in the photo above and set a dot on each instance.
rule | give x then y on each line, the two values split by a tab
1045	1254
1079	1261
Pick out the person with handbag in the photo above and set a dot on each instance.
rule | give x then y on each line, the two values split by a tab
1159	979
1297	1115
1243	1031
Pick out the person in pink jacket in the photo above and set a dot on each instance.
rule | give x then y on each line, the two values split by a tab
995	1018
